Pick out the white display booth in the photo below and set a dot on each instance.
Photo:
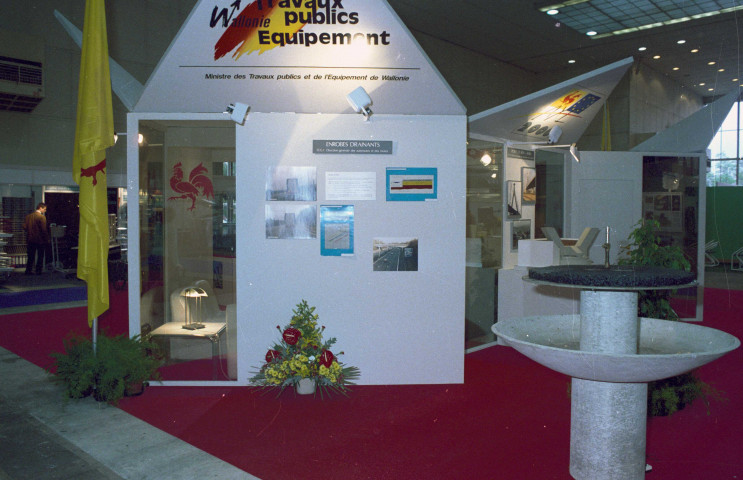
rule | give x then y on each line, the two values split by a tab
239	207
599	189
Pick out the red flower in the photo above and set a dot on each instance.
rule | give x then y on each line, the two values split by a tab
291	336
326	358
272	355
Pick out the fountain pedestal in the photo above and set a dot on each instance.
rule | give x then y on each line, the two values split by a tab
611	355
608	420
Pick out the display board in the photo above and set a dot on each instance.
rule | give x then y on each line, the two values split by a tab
394	297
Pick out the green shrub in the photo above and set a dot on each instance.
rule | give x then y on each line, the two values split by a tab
667	395
118	363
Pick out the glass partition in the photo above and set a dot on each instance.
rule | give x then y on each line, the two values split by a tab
484	238
548	208
671	196
187	246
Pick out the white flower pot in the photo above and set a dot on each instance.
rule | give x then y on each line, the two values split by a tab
306	386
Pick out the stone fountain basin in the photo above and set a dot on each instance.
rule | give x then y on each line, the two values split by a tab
666	348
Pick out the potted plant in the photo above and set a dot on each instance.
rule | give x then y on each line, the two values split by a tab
125	364
644	247
76	368
119	366
303	360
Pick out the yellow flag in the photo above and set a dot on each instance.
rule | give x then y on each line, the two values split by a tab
94	133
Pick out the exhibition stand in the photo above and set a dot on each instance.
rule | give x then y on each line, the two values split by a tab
327	167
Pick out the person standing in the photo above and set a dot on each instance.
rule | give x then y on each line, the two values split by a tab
37	236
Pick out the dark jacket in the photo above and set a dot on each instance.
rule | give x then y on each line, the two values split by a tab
35	227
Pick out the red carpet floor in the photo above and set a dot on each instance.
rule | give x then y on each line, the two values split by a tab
509	420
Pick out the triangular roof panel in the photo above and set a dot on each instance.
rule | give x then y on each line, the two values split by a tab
283	56
695	132
570	105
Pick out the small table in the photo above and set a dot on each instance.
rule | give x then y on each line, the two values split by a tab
212	331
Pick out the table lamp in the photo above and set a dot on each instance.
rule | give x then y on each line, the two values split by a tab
194	310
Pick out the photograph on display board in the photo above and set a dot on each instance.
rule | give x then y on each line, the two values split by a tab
520	230
411	184
336	230
528	185
398	254
666	208
291	221
514	202
291	184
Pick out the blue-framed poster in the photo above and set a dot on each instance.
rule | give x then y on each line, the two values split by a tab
411	184
336	230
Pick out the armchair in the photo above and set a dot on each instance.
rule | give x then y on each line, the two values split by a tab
577	254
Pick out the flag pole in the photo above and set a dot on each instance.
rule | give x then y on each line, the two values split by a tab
95	335
94	133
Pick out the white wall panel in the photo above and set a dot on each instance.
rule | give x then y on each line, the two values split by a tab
397	327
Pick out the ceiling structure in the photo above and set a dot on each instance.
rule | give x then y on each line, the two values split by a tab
517	33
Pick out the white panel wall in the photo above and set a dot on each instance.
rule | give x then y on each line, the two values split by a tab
397	327
604	189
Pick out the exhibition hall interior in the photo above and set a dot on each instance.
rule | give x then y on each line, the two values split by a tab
492	239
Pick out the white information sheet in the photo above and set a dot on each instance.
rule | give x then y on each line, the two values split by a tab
350	186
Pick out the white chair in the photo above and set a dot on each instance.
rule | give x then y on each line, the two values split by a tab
709	258
577	254
736	260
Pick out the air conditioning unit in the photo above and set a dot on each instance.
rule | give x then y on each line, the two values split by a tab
21	72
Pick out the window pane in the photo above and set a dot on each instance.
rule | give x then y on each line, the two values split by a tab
728	144
731	121
723	172
187	247
715	146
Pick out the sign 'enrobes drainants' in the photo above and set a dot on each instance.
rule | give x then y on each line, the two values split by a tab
355	147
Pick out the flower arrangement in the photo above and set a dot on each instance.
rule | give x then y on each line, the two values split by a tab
301	353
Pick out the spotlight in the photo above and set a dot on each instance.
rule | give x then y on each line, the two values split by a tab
360	101
555	133
238	112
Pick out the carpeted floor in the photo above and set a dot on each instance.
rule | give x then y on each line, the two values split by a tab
509	420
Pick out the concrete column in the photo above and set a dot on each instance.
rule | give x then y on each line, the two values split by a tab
608	321
608	420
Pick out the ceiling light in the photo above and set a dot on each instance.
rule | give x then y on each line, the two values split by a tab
671	21
711	63
720	69
557	5
694	50
675	68
735	79
486	160
656	57
571	61
702	84
642	49
554	11
591	33
710	89
681	42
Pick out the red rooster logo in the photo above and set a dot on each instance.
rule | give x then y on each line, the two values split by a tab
92	171
198	183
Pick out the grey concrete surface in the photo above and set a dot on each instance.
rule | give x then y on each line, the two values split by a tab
45	437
